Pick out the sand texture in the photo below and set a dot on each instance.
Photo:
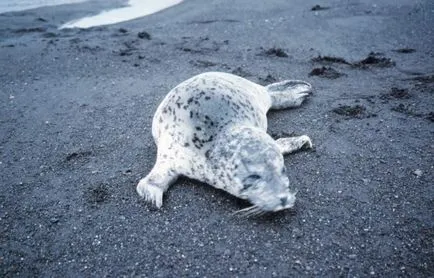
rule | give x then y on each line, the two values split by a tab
75	138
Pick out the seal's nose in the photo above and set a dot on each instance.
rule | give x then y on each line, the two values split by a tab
283	201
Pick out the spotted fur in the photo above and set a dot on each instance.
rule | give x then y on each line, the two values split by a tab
212	128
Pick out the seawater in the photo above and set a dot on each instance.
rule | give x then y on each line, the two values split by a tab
134	9
21	5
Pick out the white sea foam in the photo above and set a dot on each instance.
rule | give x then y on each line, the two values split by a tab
135	9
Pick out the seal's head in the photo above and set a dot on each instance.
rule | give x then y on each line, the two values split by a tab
261	175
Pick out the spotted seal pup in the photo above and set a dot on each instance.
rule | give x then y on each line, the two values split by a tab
212	128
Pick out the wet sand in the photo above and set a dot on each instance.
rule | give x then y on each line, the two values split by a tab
75	135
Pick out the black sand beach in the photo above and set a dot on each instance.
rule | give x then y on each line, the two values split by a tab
75	133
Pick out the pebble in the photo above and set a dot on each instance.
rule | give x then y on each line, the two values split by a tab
418	173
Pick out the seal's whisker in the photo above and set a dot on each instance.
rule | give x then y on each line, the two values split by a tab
245	211
249	212
253	211
259	212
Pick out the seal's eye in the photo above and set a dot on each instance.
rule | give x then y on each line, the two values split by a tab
250	180
254	177
284	170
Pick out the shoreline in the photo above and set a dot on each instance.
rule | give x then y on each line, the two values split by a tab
133	10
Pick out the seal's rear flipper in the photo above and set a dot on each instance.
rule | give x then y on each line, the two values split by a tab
288	93
155	184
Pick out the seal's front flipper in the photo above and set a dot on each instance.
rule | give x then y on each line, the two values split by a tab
155	184
291	144
288	93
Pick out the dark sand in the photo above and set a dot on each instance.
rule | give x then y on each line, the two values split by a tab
75	131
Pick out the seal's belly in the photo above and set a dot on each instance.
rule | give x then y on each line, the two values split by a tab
195	111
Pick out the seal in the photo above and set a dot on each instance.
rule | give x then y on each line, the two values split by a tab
212	128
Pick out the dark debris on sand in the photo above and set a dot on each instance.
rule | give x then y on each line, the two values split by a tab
97	195
200	45
424	83
407	110
326	72
405	50
267	80
213	21
144	35
30	30
374	60
355	111
50	35
424	79
41	19
203	63
77	155
275	51
396	93
241	72
130	47
430	116
330	60
319	8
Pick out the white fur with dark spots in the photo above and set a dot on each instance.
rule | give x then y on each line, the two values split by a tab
212	128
